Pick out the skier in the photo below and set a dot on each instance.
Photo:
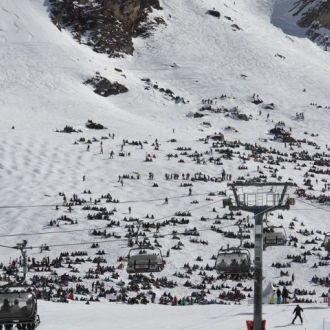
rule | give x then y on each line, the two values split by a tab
297	311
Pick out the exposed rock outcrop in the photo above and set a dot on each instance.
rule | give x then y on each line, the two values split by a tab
315	16
108	26
104	87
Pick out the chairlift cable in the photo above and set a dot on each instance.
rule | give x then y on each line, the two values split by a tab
81	230
51	232
105	241
103	203
313	205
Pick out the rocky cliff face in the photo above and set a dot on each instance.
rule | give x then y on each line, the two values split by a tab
108	26
315	16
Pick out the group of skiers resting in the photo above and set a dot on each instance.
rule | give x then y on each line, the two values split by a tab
284	294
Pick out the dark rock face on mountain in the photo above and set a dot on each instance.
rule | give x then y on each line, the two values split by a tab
108	26
103	87
315	16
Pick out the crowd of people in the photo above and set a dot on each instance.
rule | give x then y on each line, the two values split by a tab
94	274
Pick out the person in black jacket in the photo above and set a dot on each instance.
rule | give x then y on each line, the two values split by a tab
285	295
297	311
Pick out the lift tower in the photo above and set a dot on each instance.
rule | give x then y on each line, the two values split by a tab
259	198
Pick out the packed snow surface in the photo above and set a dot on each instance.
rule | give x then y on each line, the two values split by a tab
82	317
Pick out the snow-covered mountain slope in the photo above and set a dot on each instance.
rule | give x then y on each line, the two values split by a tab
198	57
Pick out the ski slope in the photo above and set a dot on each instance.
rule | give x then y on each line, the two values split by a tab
78	316
198	57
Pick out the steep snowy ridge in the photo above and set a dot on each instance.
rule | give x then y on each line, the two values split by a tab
303	18
171	76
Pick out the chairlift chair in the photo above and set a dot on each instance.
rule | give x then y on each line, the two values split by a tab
18	309
233	261
326	242
146	260
274	236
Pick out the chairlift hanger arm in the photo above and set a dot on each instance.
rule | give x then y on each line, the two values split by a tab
236	196
283	194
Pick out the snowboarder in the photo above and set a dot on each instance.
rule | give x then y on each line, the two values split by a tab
297	311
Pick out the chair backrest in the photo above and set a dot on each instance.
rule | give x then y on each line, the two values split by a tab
233	262
17	306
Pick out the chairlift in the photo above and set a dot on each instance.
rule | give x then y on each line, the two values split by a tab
145	260
326	242
233	261
274	236
18	309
